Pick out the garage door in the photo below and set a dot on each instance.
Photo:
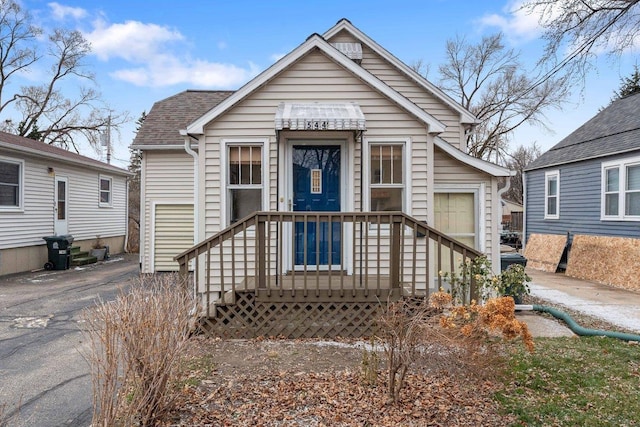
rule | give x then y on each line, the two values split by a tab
173	234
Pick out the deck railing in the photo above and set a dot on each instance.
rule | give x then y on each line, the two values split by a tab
323	255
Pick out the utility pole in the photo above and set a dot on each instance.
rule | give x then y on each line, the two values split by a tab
106	139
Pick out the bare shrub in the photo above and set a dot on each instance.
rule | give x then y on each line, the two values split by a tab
446	338
401	327
136	343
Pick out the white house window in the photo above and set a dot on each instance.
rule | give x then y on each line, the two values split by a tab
621	190
105	191
612	192
386	184
10	184
552	195
632	191
245	180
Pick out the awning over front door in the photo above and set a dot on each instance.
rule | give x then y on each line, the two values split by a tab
317	116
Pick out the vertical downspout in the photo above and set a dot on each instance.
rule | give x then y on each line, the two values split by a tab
196	187
126	216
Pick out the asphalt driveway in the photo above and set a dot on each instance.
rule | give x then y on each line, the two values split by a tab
44	378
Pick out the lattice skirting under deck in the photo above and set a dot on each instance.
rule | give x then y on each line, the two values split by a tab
251	318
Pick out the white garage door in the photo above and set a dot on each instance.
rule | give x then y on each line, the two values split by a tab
173	234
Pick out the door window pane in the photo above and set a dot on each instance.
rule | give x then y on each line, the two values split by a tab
62	200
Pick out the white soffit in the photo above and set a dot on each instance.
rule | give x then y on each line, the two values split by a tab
317	116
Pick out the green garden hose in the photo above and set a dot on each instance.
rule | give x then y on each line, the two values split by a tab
579	330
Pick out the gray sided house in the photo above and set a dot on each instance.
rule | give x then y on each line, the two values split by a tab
587	187
337	168
45	191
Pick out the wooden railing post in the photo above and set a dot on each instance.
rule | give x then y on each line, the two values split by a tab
260	253
394	268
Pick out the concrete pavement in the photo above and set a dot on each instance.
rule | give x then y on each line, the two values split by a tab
617	306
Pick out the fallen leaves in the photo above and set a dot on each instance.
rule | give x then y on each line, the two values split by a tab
322	385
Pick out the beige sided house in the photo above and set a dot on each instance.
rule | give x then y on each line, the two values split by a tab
358	168
45	191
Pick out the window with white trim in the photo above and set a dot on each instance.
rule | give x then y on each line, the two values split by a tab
105	191
244	180
386	177
11	172
621	190
552	195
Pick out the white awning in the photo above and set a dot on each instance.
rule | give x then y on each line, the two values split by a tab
316	116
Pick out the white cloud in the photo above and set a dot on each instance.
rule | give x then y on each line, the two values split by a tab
167	71
277	56
156	59
133	41
60	12
516	24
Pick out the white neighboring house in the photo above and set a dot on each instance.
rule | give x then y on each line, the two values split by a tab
212	157
45	190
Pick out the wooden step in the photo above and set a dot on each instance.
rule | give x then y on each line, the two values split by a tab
84	260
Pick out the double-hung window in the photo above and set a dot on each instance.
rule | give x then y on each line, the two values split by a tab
105	191
552	195
387	176
621	190
11	184
244	180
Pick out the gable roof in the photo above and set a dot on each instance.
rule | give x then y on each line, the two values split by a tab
21	145
346	25
614	130
315	41
481	165
161	127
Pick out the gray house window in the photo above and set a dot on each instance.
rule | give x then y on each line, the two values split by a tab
621	190
10	183
552	195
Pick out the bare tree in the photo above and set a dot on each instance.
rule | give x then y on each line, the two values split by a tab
488	79
46	113
584	28
517	161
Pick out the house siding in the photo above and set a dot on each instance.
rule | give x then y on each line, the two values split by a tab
314	78
169	179
448	171
21	230
580	202
393	77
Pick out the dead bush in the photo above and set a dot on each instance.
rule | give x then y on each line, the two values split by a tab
445	338
136	343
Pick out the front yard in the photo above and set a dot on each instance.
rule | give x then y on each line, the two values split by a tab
566	382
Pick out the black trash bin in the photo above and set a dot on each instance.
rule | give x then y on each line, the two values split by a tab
59	252
511	258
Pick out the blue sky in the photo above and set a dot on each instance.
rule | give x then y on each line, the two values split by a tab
144	51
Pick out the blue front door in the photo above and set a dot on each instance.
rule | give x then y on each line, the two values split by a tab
316	187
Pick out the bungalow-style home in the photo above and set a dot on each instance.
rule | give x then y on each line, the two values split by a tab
355	164
582	199
48	191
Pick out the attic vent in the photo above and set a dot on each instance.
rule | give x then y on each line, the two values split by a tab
351	50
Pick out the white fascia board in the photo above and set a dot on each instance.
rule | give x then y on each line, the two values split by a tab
465	115
52	156
315	41
482	165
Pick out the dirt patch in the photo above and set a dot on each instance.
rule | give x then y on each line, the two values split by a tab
320	383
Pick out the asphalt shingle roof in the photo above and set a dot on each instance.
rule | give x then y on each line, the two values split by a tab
165	119
41	149
615	129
